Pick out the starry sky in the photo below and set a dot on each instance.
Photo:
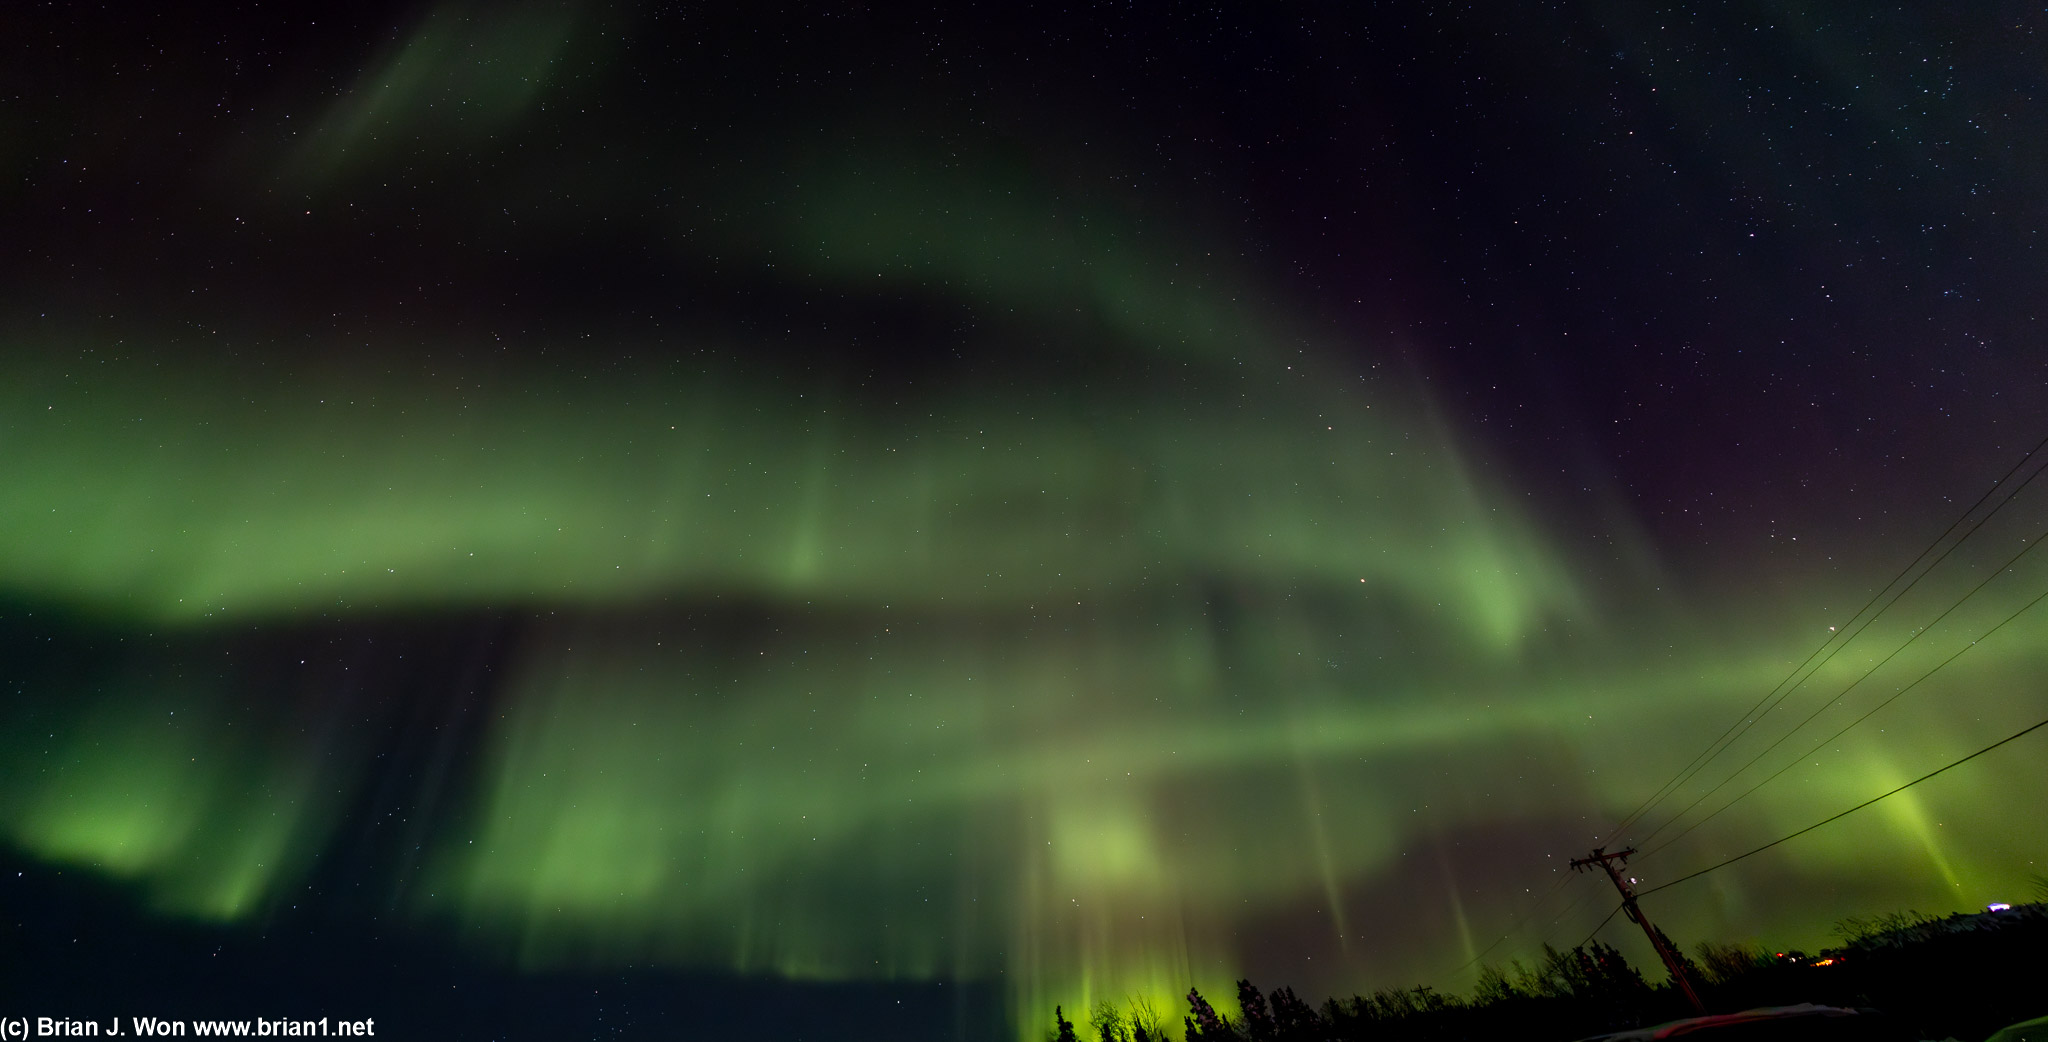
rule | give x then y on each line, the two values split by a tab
913	514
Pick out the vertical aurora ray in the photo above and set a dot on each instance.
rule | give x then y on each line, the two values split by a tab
155	788
1102	630
464	73
1083	692
717	799
1021	669
380	496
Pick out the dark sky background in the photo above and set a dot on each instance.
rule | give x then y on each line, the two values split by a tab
874	521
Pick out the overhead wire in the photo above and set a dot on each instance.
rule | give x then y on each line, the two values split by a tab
1837	817
1832	646
1751	718
2001	570
1838	641
1530	917
1616	910
1521	924
1566	910
1595	932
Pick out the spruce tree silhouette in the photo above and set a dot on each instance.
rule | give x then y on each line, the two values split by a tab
1258	1022
1205	1025
1685	965
1064	1026
1293	1020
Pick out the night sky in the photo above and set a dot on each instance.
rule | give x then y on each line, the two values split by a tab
896	517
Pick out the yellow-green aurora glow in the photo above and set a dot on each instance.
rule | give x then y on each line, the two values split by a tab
1075	688
1126	627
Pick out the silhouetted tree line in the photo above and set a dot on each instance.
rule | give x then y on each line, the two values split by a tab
1912	966
1591	987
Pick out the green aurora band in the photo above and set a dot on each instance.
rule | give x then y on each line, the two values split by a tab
1068	688
1093	667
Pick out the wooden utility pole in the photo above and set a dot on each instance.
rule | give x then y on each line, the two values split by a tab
1635	915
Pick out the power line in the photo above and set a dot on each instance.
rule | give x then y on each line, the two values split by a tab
1673	962
1986	635
1603	925
1955	763
1555	886
1566	910
1749	717
1896	652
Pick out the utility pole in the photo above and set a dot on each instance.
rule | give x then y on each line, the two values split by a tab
1635	915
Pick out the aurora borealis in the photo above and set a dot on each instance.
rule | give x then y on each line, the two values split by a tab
1069	506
